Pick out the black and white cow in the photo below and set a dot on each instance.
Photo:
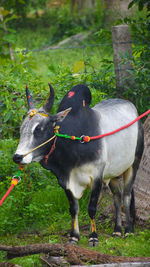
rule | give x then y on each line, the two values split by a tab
80	165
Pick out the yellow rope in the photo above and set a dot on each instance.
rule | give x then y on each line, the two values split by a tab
54	136
34	112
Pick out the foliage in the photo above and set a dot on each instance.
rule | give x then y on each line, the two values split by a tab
141	4
140	30
21	7
13	96
7	34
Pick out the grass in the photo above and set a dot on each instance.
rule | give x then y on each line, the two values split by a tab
77	60
57	222
136	245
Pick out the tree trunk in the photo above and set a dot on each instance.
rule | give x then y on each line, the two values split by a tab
142	182
121	38
116	9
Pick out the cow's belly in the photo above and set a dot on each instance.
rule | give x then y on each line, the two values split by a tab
82	177
120	152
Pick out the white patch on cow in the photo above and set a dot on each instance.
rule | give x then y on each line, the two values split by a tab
82	177
120	147
22	150
34	126
25	145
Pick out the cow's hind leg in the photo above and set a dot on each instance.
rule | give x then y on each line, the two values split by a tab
92	206
74	210
116	190
129	177
128	200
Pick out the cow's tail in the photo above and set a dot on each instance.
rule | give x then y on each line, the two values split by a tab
132	207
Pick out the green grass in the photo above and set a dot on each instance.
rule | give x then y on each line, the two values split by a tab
77	60
136	245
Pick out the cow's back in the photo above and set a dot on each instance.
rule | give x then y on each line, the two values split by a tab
119	148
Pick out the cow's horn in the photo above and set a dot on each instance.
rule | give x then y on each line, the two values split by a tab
49	103
29	99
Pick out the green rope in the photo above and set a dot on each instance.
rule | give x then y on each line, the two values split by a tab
18	174
68	136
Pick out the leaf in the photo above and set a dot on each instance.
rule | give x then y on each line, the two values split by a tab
11	18
10	38
131	4
7	117
4	12
141	5
21	2
78	66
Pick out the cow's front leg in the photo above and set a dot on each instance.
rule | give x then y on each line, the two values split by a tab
92	207
74	210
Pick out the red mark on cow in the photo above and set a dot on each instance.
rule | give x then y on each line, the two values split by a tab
71	94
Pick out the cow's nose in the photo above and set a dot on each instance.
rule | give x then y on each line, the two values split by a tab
17	158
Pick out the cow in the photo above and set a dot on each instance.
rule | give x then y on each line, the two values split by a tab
79	164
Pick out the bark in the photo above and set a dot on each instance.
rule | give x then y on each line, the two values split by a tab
117	7
74	255
142	182
121	38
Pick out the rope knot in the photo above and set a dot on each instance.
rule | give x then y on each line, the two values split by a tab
56	129
32	113
14	181
85	139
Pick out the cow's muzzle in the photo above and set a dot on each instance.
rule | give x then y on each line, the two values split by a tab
17	158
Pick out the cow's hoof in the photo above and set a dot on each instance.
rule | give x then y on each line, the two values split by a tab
117	231
93	242
119	234
128	231
73	240
128	234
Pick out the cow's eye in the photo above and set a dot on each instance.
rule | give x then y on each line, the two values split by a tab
38	131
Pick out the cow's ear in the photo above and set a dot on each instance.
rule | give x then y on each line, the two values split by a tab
60	116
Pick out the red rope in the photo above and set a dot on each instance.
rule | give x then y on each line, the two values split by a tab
51	151
14	182
85	139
